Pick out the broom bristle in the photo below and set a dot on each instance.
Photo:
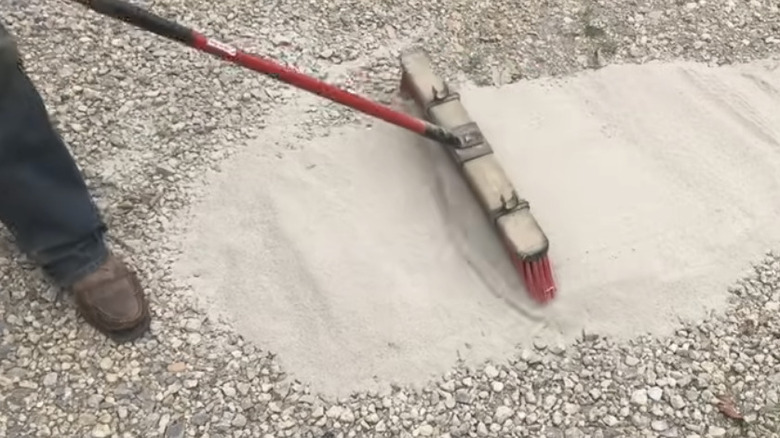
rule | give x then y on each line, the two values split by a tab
538	279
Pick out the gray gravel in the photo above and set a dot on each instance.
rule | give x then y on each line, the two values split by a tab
147	118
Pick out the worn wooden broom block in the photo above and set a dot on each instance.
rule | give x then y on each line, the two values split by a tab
495	192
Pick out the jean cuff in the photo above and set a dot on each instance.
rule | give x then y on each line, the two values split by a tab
76	262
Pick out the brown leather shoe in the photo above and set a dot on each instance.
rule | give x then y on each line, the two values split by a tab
111	300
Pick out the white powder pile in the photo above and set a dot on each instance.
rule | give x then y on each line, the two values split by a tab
361	258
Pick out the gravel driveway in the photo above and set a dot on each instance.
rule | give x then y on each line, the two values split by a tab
147	118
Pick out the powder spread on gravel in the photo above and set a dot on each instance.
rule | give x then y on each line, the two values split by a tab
361	258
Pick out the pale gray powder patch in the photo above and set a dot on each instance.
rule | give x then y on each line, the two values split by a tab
341	258
361	258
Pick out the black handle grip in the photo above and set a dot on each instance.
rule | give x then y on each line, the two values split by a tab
142	18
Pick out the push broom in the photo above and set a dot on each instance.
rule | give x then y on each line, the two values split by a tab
509	214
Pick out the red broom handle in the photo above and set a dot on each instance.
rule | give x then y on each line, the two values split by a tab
131	14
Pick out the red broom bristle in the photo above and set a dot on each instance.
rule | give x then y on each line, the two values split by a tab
538	278
537	275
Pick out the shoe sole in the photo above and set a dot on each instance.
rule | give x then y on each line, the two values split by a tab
127	335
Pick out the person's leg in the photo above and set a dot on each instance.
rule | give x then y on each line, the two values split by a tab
44	201
46	205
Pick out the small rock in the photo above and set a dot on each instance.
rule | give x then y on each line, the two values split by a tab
238	421
106	363
193	324
333	412
716	432
491	372
631	361
550	401
229	391
639	397
503	413
309	399
425	430
655	393
677	402
347	416
164	421
497	386
531	357
177	367
50	379
462	396
659	425
639	420
101	431
200	419
448	386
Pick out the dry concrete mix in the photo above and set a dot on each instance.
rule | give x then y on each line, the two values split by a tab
361	258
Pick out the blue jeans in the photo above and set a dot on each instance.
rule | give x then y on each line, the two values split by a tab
44	201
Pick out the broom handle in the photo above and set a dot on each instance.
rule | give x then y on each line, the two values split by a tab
129	13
